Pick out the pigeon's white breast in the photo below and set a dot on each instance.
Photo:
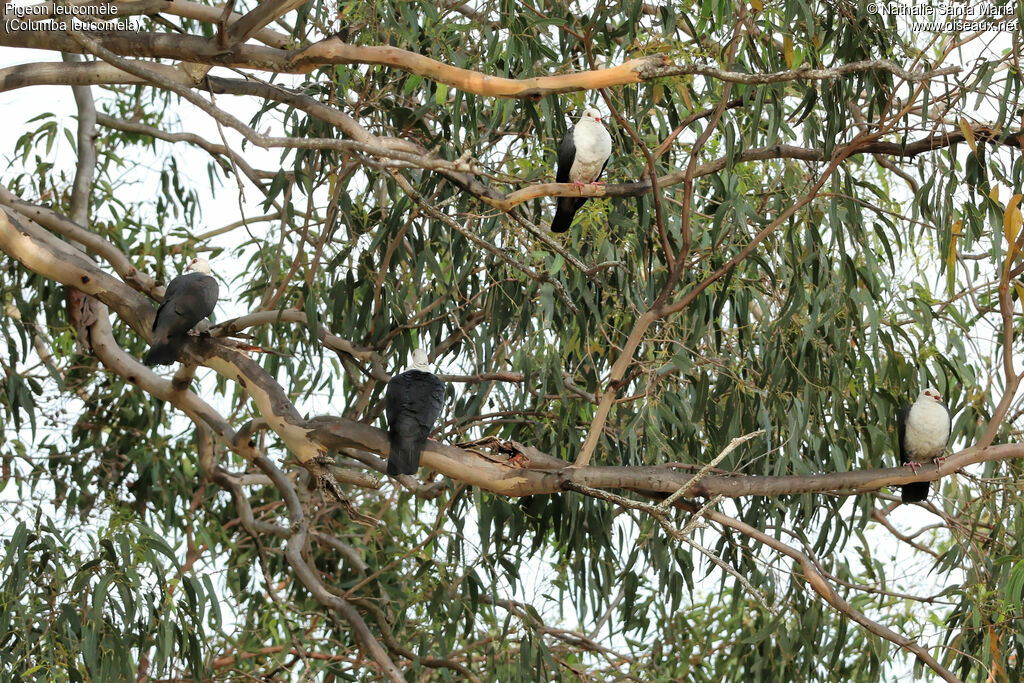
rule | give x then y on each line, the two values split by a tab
927	430
593	146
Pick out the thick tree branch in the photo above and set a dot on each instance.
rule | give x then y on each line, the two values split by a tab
82	310
114	358
515	476
59	224
82	73
44	254
182	8
525	474
41	252
335	51
270	399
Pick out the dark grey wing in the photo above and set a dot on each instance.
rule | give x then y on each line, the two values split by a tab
420	395
396	398
435	400
566	155
566	207
180	283
901	430
188	299
413	401
195	301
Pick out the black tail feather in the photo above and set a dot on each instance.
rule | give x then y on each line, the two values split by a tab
566	211
162	353
915	492
404	456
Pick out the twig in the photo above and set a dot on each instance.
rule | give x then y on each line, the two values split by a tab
660	516
707	468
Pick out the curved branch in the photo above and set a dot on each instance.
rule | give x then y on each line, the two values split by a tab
89	240
44	254
335	51
293	552
270	399
101	337
291	315
829	594
252	23
221	153
182	8
41	252
527	472
409	153
81	73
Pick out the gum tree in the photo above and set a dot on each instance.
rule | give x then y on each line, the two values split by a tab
667	449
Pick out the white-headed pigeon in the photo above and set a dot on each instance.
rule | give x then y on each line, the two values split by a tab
924	432
188	299
582	157
413	401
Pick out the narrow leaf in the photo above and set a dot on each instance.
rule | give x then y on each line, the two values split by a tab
968	134
1011	225
955	231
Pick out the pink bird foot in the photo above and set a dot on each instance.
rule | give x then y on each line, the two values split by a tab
938	460
914	466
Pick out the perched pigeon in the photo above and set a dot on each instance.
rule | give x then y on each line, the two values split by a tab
413	401
189	298
924	431
582	157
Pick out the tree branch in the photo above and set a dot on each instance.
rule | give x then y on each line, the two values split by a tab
335	51
829	594
82	73
220	152
291	315
526	472
77	233
293	552
250	24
